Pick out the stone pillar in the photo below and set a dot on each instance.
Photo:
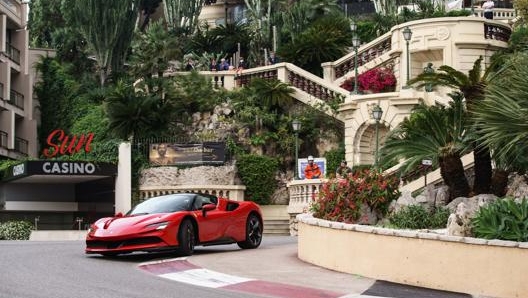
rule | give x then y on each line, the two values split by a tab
123	184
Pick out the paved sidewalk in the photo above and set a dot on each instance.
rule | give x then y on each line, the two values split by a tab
274	270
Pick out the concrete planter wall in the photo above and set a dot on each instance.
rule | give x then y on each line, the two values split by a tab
468	265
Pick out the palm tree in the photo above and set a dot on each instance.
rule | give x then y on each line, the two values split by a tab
152	51
273	95
432	132
472	87
503	111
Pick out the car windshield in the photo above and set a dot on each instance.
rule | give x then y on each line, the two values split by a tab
164	204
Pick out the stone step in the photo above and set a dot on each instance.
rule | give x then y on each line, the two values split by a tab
277	226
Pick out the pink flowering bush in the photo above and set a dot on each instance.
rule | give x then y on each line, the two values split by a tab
376	80
344	199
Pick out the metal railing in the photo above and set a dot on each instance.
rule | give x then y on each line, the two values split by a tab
13	53
21	145
3	139
16	99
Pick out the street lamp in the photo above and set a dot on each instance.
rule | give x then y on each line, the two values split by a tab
426	163
407	34
296	125
377	112
355	44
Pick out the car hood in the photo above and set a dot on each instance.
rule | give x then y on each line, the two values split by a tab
130	223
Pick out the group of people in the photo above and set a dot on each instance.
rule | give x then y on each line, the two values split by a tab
214	65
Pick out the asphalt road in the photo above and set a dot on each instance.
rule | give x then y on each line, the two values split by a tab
60	269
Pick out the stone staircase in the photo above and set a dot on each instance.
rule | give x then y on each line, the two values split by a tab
276	220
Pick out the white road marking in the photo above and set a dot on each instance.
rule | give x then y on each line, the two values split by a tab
205	278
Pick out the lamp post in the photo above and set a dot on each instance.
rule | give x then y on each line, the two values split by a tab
426	163
296	125
472	9
407	34
355	44
377	112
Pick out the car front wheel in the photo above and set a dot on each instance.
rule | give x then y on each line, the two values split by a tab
253	233
186	238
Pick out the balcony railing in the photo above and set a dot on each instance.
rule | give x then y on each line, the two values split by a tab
21	145
1	91
3	139
13	53
16	99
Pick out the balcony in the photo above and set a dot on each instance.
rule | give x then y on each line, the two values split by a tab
3	139
13	53
16	99
21	146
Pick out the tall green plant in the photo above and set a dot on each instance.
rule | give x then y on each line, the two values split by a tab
108	27
258	175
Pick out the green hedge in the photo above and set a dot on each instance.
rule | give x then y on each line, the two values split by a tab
258	172
15	230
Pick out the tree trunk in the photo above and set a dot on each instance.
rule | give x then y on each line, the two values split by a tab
499	182
452	172
483	170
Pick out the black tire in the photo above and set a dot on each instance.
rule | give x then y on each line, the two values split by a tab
186	238
253	233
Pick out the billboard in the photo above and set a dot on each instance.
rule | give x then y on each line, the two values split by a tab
320	161
206	153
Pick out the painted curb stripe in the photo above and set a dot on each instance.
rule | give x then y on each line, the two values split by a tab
281	290
205	278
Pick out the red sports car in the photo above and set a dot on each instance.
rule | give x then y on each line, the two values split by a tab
177	222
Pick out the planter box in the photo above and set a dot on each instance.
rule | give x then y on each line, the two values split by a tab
468	265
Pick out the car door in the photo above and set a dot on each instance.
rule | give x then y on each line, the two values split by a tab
212	226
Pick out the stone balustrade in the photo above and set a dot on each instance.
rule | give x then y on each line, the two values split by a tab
302	194
232	192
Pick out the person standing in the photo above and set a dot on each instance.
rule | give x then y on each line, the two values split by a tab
488	9
272	59
312	170
343	170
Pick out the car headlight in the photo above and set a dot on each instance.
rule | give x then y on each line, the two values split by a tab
159	225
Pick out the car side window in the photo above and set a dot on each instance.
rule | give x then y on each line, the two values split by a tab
197	205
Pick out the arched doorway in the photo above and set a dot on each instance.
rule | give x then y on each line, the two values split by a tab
365	143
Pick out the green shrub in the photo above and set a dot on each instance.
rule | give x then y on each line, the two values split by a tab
257	172
15	230
342	199
417	217
503	219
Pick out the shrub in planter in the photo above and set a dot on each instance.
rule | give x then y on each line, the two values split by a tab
376	80
344	199
417	217
503	219
15	230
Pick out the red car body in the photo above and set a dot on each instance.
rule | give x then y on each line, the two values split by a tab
201	219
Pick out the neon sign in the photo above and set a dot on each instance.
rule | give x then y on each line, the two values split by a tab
61	144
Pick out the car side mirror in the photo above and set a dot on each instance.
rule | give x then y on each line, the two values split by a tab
207	207
119	214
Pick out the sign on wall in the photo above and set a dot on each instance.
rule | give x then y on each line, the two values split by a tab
61	144
164	154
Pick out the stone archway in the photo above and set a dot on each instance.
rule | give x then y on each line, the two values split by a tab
365	143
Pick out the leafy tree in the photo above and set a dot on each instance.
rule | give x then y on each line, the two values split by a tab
108	27
472	87
44	18
433	132
56	92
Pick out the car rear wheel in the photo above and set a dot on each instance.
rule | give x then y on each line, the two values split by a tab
186	238
253	233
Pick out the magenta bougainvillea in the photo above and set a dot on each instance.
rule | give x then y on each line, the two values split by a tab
376	80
